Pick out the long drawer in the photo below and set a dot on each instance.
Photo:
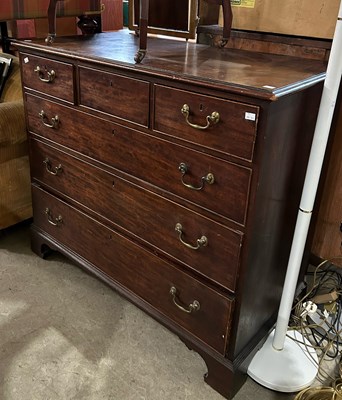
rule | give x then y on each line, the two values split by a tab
51	77
224	126
201	244
174	168
157	282
124	97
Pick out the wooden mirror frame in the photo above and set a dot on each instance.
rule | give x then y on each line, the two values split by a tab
188	33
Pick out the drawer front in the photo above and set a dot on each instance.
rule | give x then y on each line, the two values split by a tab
146	157
214	251
117	95
48	76
138	270
182	114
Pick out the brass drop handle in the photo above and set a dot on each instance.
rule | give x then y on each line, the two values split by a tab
55	222
194	306
212	119
51	75
54	120
209	178
201	242
49	169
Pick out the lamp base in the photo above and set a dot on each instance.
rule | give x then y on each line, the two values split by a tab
289	370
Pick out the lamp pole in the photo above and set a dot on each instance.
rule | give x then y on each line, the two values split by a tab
279	353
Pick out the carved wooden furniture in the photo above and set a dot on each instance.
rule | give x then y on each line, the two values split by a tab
144	21
170	17
176	181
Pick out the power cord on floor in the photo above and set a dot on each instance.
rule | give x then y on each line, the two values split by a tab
317	315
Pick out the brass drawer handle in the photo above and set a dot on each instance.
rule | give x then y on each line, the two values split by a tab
49	169
55	222
51	75
209	178
202	242
211	119
54	120
194	306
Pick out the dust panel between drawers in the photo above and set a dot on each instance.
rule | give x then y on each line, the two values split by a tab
199	243
138	270
171	167
221	125
50	77
117	95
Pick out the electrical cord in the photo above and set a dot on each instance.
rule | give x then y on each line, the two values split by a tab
324	331
322	375
322	393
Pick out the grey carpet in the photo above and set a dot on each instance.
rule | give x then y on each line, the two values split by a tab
66	335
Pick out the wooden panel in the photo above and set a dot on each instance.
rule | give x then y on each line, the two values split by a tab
174	17
218	260
38	28
208	12
112	16
146	275
314	49
22	28
61	85
64	26
144	156
233	134
310	18
286	147
123	97
327	241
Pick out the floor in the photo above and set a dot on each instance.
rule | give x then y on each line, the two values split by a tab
66	335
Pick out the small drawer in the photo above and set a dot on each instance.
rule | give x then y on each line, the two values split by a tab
117	95
224	186
220	125
198	242
51	77
157	282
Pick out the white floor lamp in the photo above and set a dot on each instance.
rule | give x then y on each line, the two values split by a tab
282	364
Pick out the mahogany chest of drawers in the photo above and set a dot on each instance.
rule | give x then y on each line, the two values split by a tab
176	181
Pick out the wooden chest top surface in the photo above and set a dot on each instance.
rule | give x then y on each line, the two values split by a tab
260	75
